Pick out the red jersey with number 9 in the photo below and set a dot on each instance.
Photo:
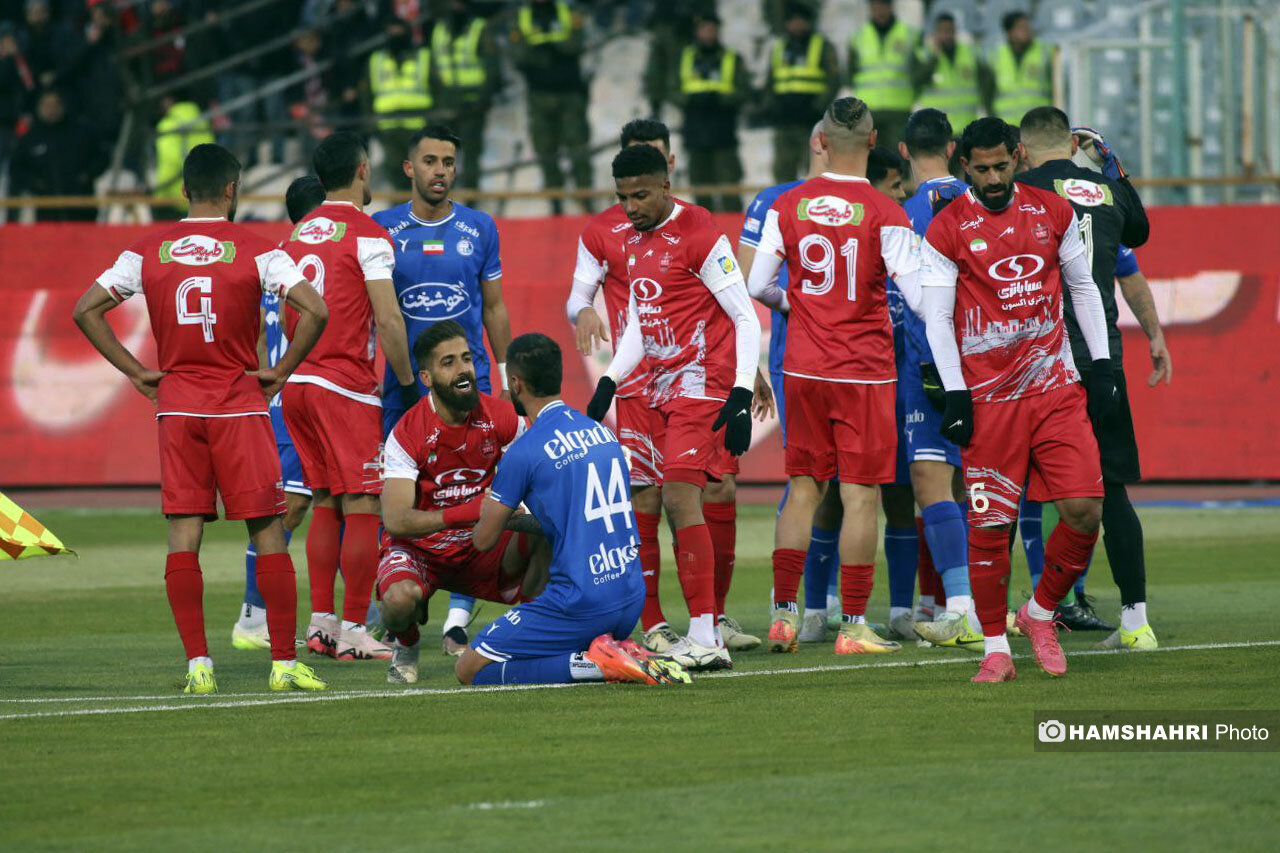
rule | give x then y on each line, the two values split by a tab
840	238
203	281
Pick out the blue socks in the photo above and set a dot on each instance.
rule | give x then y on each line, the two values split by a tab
462	602
901	550
821	564
944	531
551	670
1030	528
251	594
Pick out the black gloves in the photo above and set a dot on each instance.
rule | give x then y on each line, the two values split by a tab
409	395
602	399
1100	386
957	417
735	417
933	390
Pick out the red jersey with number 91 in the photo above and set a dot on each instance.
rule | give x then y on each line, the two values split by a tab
203	281
840	238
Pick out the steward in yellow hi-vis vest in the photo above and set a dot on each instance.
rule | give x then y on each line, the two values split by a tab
1023	69
952	77
400	91
882	57
804	76
468	75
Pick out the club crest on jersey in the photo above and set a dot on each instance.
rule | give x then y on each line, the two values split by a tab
977	245
1016	267
829	210
197	250
1040	232
434	300
664	263
1083	192
465	247
319	230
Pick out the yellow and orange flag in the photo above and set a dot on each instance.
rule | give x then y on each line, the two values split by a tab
21	536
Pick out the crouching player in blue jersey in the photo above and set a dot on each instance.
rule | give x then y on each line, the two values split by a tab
250	632
570	472
448	267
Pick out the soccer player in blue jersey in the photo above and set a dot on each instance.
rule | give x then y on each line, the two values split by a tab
932	459
570	472
250	632
448	267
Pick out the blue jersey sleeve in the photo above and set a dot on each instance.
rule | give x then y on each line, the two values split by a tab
753	225
492	253
1126	262
511	480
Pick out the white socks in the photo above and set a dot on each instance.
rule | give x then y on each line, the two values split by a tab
194	662
991	645
972	615
959	603
855	620
895	612
458	618
1133	616
252	616
581	669
927	602
1035	611
809	611
702	630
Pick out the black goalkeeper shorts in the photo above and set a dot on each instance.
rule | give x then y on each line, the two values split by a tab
1117	444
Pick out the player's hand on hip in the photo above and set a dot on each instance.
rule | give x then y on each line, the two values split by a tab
764	406
148	383
1161	362
270	380
957	417
735	417
602	399
932	382
1100	385
591	331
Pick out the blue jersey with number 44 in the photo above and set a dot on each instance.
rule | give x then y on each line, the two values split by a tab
570	472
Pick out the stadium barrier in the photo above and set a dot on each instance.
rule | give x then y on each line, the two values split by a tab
67	418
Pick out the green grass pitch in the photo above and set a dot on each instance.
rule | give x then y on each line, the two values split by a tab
100	752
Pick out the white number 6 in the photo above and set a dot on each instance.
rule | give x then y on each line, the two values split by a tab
978	499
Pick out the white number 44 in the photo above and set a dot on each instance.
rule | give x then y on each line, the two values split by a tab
197	312
978	499
604	505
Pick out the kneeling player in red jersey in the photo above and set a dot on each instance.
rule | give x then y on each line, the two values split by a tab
996	260
439	461
203	280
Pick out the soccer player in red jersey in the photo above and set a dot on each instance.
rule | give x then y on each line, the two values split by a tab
331	404
601	260
996	260
690	316
440	459
840	238
203	280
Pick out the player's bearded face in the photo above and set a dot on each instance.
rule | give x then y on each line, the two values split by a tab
453	377
645	199
990	170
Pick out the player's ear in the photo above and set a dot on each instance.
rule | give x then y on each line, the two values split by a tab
407	165
951	149
871	138
1075	144
902	150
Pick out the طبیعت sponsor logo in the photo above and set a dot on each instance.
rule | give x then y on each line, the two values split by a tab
319	230
829	210
434	300
1083	192
197	250
1015	267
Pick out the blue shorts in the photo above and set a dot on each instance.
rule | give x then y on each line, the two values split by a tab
921	423
539	630
775	382
901	473
291	470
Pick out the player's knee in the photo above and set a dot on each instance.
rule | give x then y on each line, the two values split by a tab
1083	514
646	499
398	604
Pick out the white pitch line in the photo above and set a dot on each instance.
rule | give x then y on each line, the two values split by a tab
236	700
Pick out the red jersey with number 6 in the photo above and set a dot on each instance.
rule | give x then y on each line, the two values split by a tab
339	248
840	238
203	280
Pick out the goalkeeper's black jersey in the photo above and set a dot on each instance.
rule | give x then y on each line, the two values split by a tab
1110	215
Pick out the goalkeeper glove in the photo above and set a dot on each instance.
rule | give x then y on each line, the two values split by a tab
957	417
409	395
735	417
1100	386
602	399
1102	153
933	390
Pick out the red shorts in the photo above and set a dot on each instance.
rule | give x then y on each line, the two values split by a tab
452	564
201	458
689	451
637	423
1045	441
339	440
845	429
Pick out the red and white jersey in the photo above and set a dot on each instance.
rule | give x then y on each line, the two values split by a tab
203	280
601	257
450	464
675	271
1008	311
840	238
339	248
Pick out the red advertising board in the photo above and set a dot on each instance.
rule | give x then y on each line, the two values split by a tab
67	418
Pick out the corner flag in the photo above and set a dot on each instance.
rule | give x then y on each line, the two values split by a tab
21	536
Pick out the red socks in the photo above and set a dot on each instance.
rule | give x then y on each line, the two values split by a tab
1065	558
359	564
280	593
855	589
788	571
185	585
323	538
650	567
695	563
722	521
989	577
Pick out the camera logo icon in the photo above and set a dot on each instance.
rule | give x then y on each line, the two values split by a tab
1051	731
